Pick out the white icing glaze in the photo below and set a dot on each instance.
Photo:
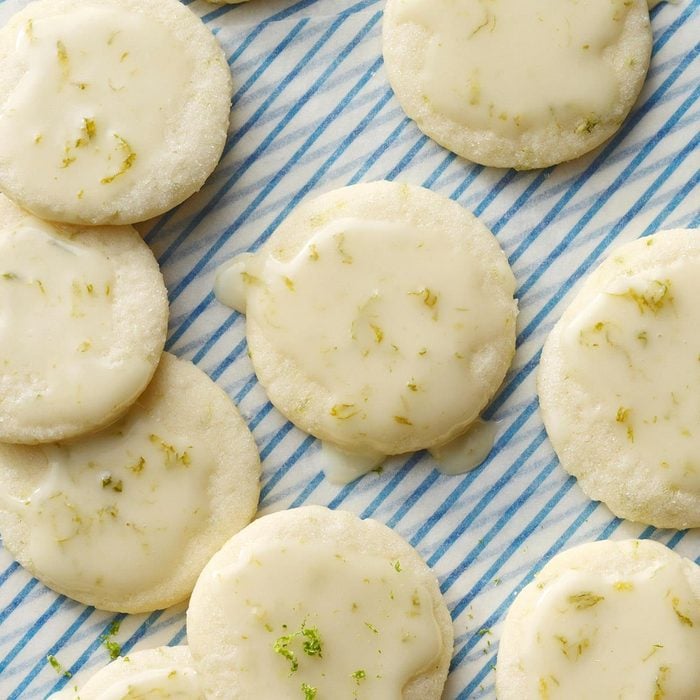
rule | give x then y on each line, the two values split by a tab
467	451
595	635
113	509
635	348
506	66
342	467
156	684
94	103
230	284
347	624
371	311
56	329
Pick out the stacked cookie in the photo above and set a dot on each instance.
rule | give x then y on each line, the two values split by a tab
116	451
111	450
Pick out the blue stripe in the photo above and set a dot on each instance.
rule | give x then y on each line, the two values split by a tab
501	609
38	667
188	278
94	645
288	117
471	503
8	572
18	600
284	469
10	656
463	485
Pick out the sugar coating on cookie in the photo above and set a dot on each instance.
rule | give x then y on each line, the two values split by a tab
619	378
111	111
83	319
604	620
513	84
319	602
163	672
125	519
380	317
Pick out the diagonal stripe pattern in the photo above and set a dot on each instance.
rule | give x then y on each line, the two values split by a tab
313	111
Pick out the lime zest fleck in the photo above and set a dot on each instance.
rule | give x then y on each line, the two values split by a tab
309	691
654	649
249	279
685	620
312	645
87	132
660	692
138	467
587	124
582	601
172	456
345	257
281	647
359	675
127	163
653	299
62	55
623	586
343	411
58	667
113	647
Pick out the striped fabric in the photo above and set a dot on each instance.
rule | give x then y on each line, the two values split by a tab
313	111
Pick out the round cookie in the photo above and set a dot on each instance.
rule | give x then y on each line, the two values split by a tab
513	84
313	601
604	620
164	672
111	111
126	519
83	320
619	377
380	317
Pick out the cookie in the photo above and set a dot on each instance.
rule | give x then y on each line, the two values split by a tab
164	672
604	620
83	319
512	84
126	519
619	378
111	111
311	602
380	317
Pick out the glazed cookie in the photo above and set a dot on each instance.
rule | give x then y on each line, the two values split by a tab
380	317
619	378
513	84
111	111
83	319
126	519
605	620
165	672
313	601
